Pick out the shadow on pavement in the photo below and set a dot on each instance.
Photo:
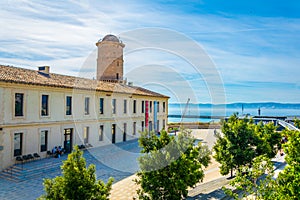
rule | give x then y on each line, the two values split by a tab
216	194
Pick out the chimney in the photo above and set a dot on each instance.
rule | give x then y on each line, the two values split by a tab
130	83
44	69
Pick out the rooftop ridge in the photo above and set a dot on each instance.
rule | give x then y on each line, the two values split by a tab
33	77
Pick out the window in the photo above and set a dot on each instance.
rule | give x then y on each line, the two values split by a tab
86	135
164	123
157	125
45	110
18	144
125	106
143	125
134	128
101	105
114	109
150	107
157	106
87	106
164	106
143	106
44	140
101	129
68	105
19	100
134	106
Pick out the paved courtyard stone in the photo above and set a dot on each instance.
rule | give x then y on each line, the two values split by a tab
114	160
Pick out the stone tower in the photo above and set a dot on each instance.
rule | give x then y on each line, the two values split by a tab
110	59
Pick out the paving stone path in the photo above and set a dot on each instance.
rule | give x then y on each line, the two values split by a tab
117	161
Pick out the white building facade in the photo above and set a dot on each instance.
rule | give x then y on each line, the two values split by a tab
40	110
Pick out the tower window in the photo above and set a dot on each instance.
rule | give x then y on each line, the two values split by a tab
117	76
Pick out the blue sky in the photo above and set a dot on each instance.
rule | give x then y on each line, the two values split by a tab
217	51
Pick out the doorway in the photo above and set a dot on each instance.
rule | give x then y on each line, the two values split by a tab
113	133
124	132
68	143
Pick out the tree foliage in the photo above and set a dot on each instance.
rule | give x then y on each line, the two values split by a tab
285	186
241	141
77	181
169	165
268	139
235	147
251	180
297	122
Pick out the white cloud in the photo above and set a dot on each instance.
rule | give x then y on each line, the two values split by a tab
63	35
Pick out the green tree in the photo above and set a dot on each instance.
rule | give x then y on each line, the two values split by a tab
267	140
252	180
236	146
297	122
77	181
287	185
169	165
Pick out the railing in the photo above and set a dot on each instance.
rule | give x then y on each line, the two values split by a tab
288	125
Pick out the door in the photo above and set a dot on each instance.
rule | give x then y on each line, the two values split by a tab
68	134
124	132
150	126
113	133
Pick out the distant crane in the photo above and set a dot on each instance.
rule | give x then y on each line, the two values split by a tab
184	111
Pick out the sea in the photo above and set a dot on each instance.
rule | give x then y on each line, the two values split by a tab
226	110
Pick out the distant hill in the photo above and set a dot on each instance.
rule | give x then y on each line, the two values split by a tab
270	105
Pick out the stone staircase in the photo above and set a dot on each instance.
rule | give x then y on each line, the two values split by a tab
46	167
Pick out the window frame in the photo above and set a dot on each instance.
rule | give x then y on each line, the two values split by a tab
86	105
143	126
101	132
21	103
134	106
143	106
44	147
86	131
114	106
69	109
134	128
18	152
47	113
101	105
125	106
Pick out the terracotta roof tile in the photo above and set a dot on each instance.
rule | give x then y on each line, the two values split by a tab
32	77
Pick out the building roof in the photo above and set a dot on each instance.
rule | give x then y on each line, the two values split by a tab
18	75
111	38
